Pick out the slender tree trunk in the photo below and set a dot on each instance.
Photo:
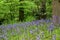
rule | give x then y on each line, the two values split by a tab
43	9
41	13
56	11
21	13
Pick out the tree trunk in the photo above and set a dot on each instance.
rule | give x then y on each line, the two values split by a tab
21	13
56	11
41	13
43	9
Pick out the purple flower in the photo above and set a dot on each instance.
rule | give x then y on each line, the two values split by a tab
14	25
2	26
31	31
47	21
36	22
54	18
51	27
9	26
27	23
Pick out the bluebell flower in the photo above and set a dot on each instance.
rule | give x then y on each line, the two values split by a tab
31	32
14	25
51	27
54	18
9	26
47	21
2	26
37	23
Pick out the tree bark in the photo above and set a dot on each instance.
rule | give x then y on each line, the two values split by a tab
56	11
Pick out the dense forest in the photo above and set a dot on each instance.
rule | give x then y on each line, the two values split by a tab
29	19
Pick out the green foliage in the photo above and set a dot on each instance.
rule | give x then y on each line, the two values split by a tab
29	18
49	8
28	6
9	9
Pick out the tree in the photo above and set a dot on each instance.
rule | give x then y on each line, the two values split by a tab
43	9
21	12
56	11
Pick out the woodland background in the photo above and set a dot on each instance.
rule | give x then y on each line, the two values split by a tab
13	11
29	19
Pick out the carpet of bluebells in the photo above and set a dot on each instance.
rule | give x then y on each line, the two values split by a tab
35	30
